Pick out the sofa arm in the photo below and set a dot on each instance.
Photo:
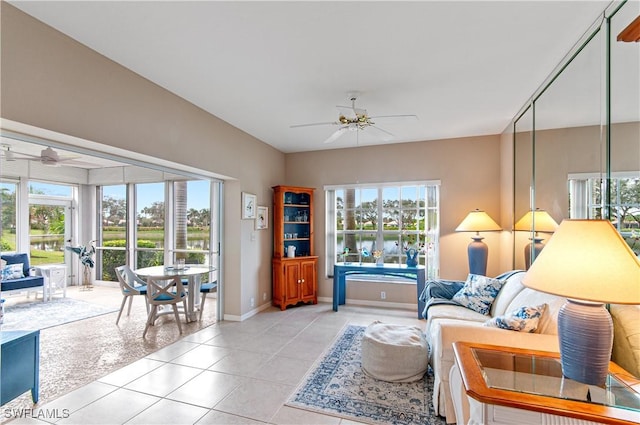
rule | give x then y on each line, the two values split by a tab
447	331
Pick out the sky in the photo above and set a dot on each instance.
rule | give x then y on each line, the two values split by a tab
197	193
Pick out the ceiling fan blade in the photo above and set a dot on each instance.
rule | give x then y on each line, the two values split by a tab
312	124
336	134
26	156
395	116
383	130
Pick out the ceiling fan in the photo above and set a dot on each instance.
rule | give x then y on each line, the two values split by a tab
47	157
355	119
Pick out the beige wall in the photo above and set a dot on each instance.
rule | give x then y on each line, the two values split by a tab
468	168
50	81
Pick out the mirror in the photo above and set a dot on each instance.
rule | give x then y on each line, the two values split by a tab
576	145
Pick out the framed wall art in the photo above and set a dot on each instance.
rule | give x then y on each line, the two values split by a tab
249	206
262	218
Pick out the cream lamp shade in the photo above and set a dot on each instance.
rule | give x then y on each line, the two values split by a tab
588	262
477	251
478	221
540	219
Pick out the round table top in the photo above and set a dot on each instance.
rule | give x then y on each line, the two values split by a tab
188	270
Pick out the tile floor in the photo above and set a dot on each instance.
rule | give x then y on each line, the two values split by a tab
226	373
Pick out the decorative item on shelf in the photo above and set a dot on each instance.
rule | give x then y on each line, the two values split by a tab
590	263
85	253
378	256
411	248
364	253
412	257
344	254
535	221
478	252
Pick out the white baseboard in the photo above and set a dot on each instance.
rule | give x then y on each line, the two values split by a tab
236	318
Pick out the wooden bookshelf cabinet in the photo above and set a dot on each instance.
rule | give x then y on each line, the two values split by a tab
294	263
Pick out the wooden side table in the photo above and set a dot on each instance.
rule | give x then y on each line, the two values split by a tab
504	383
20	365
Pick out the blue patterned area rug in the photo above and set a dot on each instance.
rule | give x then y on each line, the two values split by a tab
337	386
39	315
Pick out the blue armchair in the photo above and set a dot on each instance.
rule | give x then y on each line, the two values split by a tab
24	283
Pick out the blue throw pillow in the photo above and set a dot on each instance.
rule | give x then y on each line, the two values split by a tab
478	293
524	319
16	258
12	271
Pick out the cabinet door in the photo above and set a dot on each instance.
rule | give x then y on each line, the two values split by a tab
308	279
291	281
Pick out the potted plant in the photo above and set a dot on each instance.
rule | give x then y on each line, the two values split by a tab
85	253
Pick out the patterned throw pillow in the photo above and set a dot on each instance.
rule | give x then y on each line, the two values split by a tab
524	319
12	271
478	293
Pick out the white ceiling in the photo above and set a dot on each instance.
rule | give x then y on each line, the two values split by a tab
464	68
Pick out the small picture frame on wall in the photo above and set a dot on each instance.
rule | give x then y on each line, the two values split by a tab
262	218
249	206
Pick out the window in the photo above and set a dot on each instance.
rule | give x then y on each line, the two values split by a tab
384	217
49	221
586	201
192	220
150	218
113	230
8	203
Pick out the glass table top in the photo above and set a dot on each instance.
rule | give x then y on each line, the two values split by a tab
543	376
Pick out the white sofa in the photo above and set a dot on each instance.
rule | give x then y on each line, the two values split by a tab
449	323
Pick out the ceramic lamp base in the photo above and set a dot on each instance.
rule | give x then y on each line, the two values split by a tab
585	331
534	247
478	253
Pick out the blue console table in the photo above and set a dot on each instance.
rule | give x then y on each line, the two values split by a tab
342	270
20	364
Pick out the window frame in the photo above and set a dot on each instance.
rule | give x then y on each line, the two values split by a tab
426	208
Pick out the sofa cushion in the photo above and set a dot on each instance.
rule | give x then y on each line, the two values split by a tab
478	293
548	322
22	283
626	337
17	258
524	319
512	287
12	271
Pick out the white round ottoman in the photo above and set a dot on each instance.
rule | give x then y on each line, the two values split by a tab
394	353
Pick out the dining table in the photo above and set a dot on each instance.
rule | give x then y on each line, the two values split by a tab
191	272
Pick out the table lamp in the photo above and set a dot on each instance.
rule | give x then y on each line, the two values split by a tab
538	221
588	262
478	252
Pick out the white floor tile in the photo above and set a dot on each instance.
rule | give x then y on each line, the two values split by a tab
77	399
202	357
207	389
163	380
216	417
169	412
290	416
115	408
131	372
240	362
172	351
